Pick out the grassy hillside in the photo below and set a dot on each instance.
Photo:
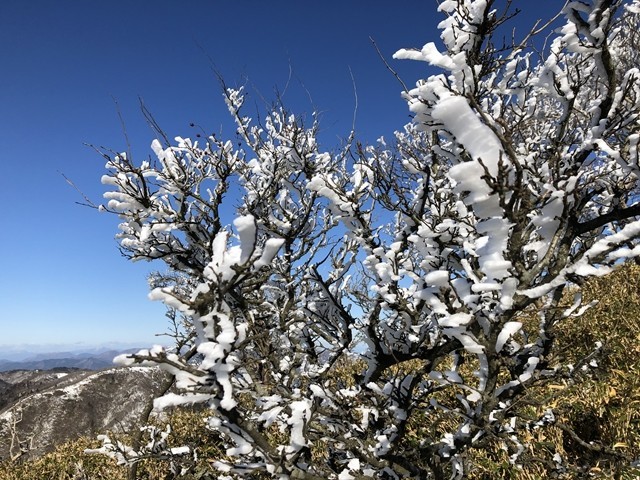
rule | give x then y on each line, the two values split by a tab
596	431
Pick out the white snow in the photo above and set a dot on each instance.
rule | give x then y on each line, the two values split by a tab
509	329
246	226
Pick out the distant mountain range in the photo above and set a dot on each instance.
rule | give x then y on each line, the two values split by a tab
46	361
43	408
48	397
21	352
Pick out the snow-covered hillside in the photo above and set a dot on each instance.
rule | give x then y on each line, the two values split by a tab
40	409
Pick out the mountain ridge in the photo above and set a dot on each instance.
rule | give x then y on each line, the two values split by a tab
43	408
49	360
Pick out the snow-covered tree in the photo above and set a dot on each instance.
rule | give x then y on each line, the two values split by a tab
366	312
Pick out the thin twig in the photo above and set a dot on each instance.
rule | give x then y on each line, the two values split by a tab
386	64
89	202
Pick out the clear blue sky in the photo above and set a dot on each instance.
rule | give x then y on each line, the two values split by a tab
63	63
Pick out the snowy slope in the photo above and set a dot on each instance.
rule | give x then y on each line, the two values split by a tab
55	406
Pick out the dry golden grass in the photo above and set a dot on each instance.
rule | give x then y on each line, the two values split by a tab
604	407
66	462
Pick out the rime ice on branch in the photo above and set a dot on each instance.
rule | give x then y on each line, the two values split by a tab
407	265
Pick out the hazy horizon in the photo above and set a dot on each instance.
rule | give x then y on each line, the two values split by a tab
18	352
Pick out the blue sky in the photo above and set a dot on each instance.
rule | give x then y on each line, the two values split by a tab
64	65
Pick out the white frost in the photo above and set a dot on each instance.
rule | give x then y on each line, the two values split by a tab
509	329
